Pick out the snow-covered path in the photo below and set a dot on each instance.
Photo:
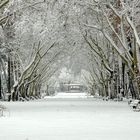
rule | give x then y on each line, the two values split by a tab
70	119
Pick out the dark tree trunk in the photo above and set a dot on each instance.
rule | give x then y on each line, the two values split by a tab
0	88
132	89
9	77
9	74
123	79
106	89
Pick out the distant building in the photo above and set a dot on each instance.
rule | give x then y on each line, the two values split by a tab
72	87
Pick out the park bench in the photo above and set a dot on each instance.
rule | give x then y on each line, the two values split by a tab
135	105
105	98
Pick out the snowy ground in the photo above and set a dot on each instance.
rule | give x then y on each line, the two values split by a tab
69	95
70	119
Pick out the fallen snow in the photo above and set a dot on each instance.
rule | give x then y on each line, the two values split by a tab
69	95
69	119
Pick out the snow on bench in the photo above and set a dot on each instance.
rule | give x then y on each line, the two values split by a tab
135	105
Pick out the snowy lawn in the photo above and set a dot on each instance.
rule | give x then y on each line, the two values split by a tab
69	95
70	119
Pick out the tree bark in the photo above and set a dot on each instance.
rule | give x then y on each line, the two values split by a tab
0	87
9	73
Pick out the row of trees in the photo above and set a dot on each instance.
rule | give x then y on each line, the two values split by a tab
38	36
32	48
111	30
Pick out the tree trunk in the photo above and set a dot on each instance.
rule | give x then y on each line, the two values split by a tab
0	87
9	74
123	79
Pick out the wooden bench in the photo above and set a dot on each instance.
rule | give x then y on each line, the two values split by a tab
135	105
